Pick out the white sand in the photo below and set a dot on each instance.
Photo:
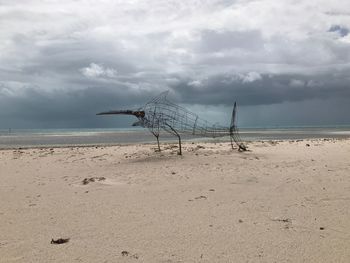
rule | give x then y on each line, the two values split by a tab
281	202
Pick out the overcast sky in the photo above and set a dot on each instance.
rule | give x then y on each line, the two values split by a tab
284	62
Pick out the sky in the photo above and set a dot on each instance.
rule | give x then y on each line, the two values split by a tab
285	62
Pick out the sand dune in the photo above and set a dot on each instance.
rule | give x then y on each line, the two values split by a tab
283	201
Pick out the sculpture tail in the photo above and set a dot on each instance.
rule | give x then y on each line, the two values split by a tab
234	131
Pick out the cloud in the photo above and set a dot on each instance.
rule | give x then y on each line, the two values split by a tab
206	52
195	83
265	89
342	31
297	83
214	41
250	77
35	108
96	71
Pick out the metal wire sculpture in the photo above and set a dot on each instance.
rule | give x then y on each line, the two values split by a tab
161	114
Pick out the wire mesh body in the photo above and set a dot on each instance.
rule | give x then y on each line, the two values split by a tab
161	114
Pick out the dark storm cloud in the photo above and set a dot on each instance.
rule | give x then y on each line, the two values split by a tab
330	111
77	108
342	31
255	89
35	108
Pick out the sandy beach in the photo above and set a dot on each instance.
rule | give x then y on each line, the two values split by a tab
283	201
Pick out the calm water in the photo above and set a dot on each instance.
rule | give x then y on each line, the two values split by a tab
66	137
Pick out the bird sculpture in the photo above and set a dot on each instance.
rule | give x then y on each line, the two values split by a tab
161	114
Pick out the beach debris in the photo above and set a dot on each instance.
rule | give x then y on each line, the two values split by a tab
307	145
321	228
284	220
93	179
127	254
3	244
240	221
200	197
287	221
161	114
59	241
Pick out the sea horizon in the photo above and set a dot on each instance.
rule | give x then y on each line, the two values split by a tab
53	137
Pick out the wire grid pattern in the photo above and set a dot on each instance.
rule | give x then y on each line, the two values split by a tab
161	113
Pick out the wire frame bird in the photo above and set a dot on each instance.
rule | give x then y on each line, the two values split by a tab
161	114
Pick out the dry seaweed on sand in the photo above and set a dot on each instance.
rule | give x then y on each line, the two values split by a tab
59	241
92	179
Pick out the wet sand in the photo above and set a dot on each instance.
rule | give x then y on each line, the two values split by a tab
283	201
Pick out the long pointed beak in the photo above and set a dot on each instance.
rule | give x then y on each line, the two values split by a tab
124	112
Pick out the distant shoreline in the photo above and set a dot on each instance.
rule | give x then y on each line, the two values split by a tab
108	137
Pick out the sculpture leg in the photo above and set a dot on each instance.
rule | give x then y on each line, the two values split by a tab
180	152
231	142
158	143
157	137
173	131
234	136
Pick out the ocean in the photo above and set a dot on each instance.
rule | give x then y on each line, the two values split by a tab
27	138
